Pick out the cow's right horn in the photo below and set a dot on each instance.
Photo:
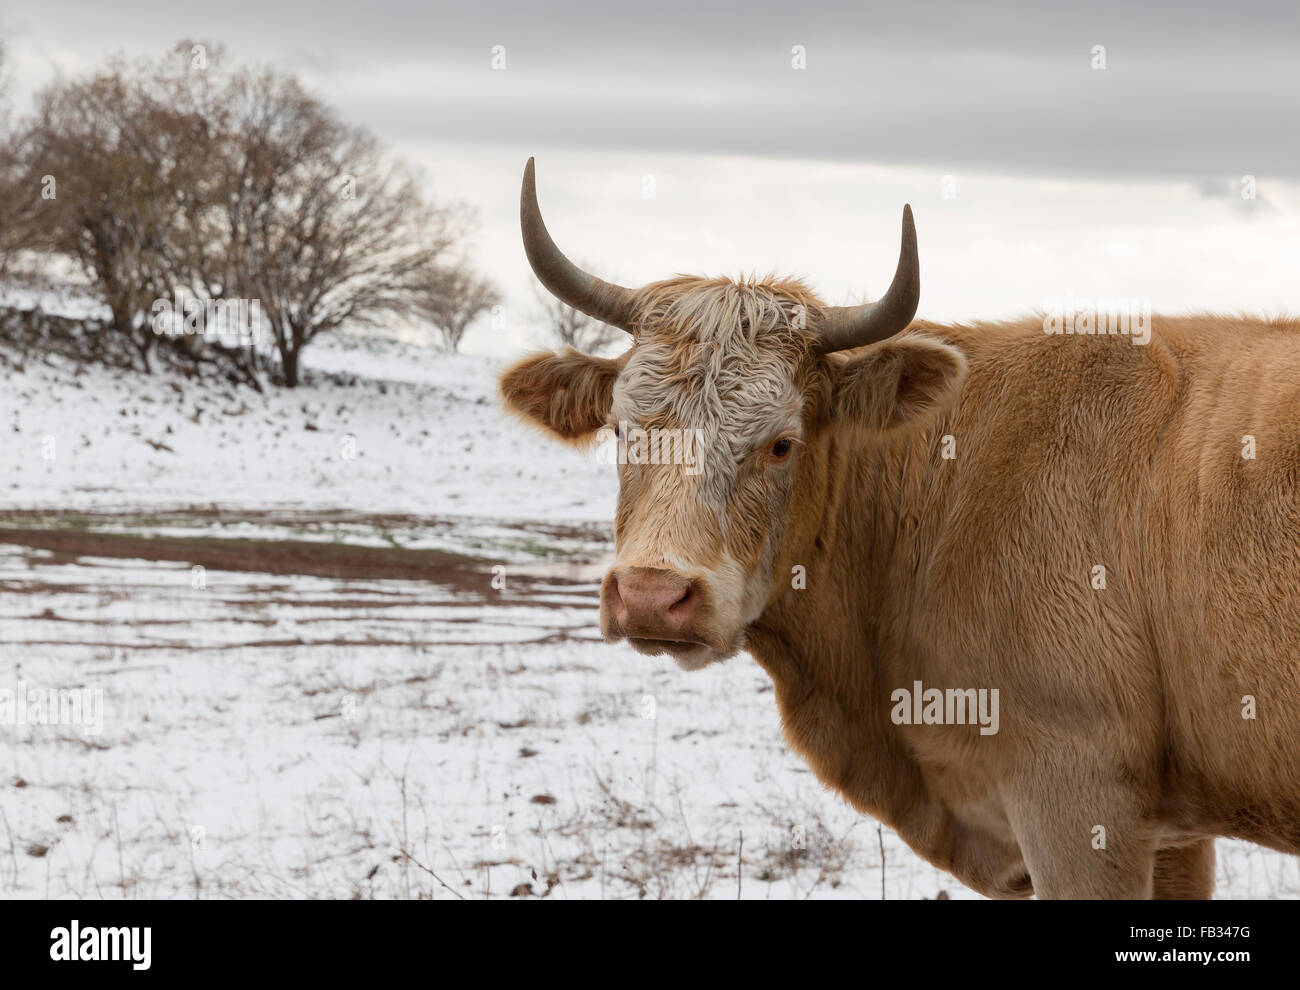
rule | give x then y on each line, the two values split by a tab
599	299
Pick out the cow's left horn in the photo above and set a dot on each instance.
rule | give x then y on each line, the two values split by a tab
853	326
602	300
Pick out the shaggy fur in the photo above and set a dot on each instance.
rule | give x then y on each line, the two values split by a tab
1121	708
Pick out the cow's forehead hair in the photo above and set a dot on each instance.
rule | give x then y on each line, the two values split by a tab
720	356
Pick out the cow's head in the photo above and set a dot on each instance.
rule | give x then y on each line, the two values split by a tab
738	380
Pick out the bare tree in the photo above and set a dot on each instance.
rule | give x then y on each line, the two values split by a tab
454	297
204	256
572	327
329	232
20	192
112	160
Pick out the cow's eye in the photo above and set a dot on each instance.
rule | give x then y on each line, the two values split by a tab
781	449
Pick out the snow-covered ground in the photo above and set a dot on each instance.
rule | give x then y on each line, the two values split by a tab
336	732
297	736
424	436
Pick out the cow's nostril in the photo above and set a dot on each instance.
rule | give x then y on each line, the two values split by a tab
686	601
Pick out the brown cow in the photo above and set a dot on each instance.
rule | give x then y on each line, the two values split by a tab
896	518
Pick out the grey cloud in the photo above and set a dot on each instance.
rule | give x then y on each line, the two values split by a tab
1190	89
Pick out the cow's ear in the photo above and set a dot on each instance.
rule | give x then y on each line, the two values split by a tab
568	395
900	382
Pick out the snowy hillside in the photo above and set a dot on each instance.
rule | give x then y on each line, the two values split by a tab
419	432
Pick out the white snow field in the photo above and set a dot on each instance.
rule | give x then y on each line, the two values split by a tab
369	716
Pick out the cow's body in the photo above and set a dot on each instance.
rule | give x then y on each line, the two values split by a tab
1120	708
892	508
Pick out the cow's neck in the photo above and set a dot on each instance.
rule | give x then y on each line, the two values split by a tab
823	645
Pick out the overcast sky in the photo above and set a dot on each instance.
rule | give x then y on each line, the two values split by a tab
1032	173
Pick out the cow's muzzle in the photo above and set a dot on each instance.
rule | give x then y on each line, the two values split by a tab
658	611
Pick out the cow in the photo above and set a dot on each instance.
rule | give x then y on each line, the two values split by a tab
892	514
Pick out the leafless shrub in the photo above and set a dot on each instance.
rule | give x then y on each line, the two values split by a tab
453	297
572	328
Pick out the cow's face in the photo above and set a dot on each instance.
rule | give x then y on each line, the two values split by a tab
718	414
